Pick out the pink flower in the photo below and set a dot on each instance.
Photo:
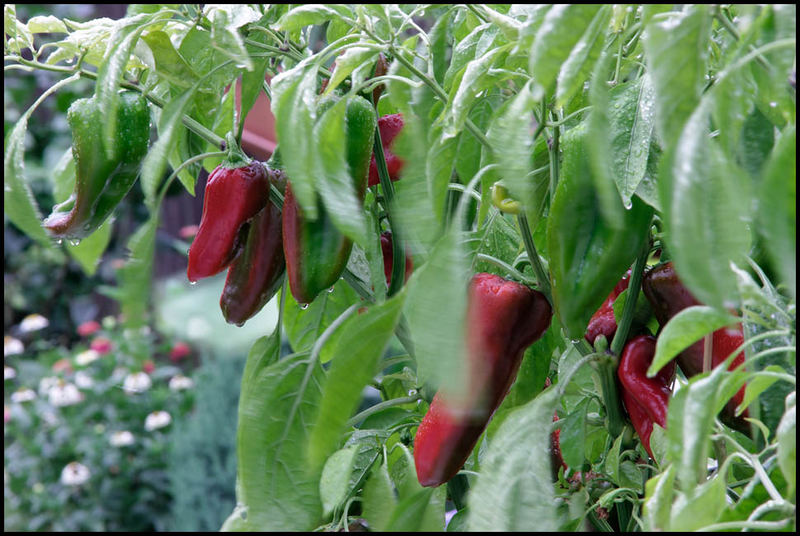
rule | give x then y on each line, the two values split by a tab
101	345
88	328
148	366
62	365
188	231
179	351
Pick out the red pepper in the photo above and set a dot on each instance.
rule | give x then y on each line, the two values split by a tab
503	319
668	296
645	399
555	448
256	274
389	126
388	257
603	321
232	196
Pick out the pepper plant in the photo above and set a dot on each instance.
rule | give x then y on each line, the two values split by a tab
557	147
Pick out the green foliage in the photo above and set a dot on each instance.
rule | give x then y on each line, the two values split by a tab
202	460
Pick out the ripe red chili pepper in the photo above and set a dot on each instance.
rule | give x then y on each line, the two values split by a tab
389	126
388	257
503	319
603	321
232	196
668	296
256	274
645	399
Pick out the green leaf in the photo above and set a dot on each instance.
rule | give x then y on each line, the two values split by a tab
312	14
706	206
659	491
787	444
358	350
474	80
756	385
699	507
514	491
293	104
225	38
169	63
510	138
335	479
436	310
463	53
19	205
345	64
628	118
135	277
587	254
581	60
88	252
304	325
690	423
378	498
278	492
439	166
573	435
169	124
562	28
411	511
684	329
676	52
777	210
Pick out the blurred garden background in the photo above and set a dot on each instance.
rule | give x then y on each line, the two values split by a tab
108	428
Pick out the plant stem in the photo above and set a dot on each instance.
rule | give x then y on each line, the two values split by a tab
634	286
381	406
533	256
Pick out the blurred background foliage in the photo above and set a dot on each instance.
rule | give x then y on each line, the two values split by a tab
180	477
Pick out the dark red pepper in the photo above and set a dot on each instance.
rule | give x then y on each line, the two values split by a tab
645	399
388	257
603	321
233	195
256	273
503	319
668	296
389	126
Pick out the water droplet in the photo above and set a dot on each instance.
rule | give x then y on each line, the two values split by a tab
773	104
330	290
74	241
239	324
59	241
192	283
303	306
412	392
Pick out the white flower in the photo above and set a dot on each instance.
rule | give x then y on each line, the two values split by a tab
121	439
23	394
9	373
12	346
84	358
47	383
75	474
109	322
83	380
33	322
156	420
180	382
137	382
64	394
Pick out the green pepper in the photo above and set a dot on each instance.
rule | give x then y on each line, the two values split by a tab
587	254
101	181
316	251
